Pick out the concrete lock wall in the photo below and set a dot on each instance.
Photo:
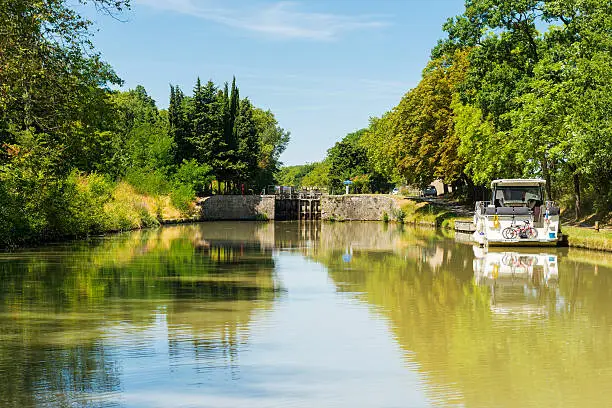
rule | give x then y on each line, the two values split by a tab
357	207
237	207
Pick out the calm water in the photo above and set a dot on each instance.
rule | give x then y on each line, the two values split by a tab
303	315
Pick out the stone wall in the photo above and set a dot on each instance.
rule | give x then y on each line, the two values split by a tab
237	207
357	207
340	208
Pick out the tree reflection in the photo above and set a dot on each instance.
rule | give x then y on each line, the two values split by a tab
527	340
59	304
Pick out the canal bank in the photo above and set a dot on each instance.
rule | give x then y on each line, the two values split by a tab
442	214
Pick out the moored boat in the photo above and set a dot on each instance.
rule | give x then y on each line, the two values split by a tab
518	214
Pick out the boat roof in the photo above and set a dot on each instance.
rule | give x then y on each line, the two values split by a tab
518	182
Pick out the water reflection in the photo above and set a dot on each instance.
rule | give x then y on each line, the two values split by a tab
303	314
71	314
519	281
509	328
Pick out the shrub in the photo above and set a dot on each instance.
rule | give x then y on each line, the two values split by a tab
84	197
145	181
399	215
182	197
197	176
262	217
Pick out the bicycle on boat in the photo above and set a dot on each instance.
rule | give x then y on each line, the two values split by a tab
520	231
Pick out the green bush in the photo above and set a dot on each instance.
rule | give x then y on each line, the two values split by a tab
262	217
84	198
197	176
182	197
151	182
399	215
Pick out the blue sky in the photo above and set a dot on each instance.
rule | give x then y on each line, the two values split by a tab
323	67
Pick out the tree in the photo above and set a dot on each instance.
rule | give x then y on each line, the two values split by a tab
273	141
318	176
147	142
381	144
346	161
293	175
248	143
55	110
529	85
179	125
51	77
206	123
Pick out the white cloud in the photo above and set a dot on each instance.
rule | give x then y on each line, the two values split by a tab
282	19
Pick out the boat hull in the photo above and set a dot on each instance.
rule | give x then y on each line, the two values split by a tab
489	232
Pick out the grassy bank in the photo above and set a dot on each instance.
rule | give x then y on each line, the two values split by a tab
425	213
85	205
588	238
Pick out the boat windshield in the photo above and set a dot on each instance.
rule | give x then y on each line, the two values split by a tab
518	194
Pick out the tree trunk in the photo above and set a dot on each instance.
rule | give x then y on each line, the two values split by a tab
546	173
445	189
471	190
577	194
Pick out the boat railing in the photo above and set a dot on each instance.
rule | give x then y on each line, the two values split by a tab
480	207
552	208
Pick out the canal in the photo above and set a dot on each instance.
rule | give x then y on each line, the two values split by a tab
291	314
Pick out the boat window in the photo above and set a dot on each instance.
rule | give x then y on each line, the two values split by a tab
515	193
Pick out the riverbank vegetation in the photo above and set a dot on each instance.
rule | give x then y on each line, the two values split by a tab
589	238
422	213
516	89
78	157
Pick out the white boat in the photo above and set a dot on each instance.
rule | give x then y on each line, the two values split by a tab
518	214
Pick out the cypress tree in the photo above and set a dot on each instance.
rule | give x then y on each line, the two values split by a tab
234	106
178	125
207	124
248	143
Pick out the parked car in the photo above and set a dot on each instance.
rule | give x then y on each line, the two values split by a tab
429	191
395	191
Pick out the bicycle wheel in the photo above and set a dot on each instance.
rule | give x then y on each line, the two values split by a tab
509	233
531	232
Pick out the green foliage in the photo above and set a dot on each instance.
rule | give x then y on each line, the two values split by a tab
293	175
273	141
242	144
533	88
385	217
69	144
196	176
416	142
182	196
501	99
379	142
261	217
399	214
348	160
318	177
85	198
145	181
